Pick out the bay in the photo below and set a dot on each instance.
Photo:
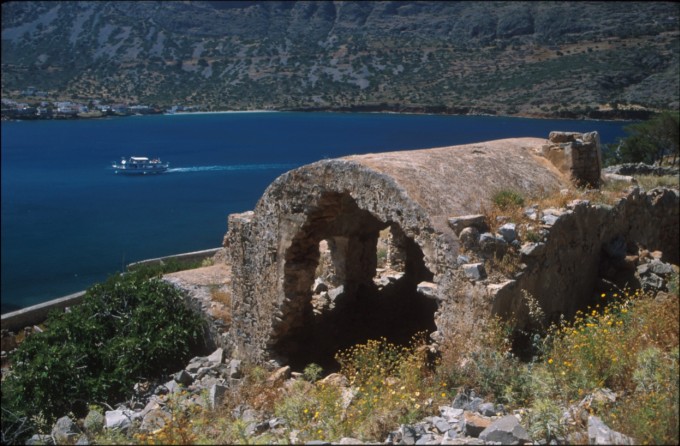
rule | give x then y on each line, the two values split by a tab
68	221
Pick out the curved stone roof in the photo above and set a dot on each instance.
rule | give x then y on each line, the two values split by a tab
457	180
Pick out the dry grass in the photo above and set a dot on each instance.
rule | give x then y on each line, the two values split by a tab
648	182
221	298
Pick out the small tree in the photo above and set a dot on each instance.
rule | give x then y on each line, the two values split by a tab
649	142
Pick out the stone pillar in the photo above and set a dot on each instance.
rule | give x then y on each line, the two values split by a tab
396	249
577	155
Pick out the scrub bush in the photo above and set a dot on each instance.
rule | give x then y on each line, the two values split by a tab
127	329
505	198
628	344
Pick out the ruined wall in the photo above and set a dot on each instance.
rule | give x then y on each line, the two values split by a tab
588	248
330	214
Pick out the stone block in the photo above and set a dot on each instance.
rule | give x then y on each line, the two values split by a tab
118	419
464	221
474	271
508	231
469	237
427	289
505	430
600	433
217	356
65	431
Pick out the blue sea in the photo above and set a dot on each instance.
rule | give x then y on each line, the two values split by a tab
68	221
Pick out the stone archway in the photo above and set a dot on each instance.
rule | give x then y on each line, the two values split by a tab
343	301
279	315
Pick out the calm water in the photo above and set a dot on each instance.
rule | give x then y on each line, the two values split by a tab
68	221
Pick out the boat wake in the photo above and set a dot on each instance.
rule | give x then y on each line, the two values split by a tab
232	167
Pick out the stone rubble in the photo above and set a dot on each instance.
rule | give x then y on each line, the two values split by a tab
640	169
468	420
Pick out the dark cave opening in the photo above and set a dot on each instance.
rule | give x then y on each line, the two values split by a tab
350	277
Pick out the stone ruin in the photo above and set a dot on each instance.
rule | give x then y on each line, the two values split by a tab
391	244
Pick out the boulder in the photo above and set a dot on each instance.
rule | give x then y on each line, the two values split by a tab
532	249
154	419
465	221
474	404
183	377
335	379
506	430
659	268
462	398
319	286
195	364
40	439
235	369
279	376
651	282
118	419
65	431
469	237
335	293
427	289
277	422
216	395
450	414
217	356
600	433
474	424
441	425
491	244
474	271
508	231
94	422
487	409
409	434
549	219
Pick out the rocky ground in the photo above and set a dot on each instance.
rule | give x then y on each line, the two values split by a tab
467	420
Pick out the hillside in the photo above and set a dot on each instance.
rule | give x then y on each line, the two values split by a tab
528	58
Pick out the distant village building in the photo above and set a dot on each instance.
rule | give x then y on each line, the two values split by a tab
120	109
141	109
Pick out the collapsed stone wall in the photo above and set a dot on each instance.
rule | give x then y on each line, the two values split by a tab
585	249
330	214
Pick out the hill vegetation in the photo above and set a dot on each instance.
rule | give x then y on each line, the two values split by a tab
595	59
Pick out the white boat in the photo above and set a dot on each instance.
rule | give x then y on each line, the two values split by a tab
140	165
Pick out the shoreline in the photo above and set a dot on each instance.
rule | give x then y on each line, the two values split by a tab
36	313
596	115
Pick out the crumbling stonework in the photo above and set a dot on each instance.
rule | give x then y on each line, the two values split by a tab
588	248
304	263
577	155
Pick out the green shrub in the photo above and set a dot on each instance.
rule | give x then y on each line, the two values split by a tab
505	199
312	372
127	329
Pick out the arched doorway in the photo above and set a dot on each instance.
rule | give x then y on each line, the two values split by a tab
349	277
